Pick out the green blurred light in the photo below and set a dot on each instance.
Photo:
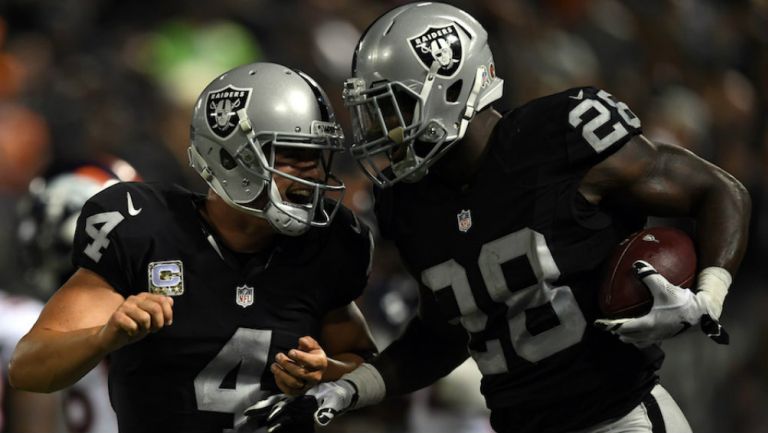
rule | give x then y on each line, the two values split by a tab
184	57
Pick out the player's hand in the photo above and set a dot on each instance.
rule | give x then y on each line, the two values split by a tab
320	404
293	414
301	368
136	317
674	310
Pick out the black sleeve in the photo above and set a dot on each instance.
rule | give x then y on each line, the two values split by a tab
428	349
557	138
104	235
599	125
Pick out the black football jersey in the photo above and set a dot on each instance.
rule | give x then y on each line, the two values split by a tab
516	258
232	312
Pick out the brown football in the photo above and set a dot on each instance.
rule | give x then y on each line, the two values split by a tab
669	250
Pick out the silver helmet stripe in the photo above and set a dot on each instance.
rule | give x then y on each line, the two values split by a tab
469	112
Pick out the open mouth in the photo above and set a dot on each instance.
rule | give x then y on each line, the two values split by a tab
301	196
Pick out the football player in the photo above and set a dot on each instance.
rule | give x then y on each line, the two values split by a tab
193	296
505	220
46	231
24	143
21	411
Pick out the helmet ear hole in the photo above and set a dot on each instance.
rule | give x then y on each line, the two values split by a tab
227	161
453	92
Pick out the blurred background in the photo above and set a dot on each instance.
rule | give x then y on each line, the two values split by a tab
79	79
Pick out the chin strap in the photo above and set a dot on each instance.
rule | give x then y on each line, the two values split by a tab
469	111
285	219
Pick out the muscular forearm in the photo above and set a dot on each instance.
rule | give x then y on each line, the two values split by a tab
666	180
420	356
722	219
46	361
341	364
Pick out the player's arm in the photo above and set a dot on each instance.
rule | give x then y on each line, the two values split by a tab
345	343
666	180
428	349
82	322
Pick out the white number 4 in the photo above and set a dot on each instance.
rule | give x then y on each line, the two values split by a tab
245	353
109	221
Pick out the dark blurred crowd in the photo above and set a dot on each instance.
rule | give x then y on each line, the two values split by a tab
79	79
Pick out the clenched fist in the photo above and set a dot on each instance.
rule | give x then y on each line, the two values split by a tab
136	317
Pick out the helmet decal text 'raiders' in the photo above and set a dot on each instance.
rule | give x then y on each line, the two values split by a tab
221	108
441	45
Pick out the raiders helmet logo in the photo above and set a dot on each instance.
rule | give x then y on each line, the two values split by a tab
441	45
221	108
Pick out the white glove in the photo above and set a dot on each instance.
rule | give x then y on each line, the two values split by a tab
321	403
285	414
674	310
333	398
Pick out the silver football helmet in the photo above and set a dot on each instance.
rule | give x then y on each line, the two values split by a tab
420	73
242	120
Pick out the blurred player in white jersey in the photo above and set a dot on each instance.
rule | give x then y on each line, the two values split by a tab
24	142
46	231
21	411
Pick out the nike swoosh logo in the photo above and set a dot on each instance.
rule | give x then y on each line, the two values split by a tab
356	224
132	211
579	96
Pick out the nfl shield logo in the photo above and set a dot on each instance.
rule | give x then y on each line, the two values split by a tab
244	296
465	220
221	107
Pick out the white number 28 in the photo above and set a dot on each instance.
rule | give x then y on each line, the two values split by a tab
589	131
570	324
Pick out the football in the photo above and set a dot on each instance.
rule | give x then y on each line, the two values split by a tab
671	251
